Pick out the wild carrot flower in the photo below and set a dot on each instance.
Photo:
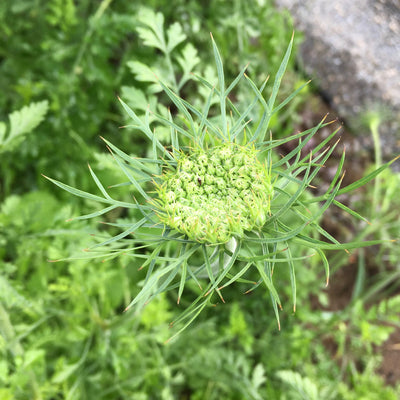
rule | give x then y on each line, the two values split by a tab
216	194
217	203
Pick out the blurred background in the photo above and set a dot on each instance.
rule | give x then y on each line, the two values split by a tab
63	333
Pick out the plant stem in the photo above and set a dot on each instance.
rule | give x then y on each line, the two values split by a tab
374	124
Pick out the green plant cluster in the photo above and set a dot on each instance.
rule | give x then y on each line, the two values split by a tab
268	244
63	330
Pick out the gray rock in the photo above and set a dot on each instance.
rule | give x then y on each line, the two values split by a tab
352	48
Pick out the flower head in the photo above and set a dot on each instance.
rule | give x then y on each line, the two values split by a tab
215	194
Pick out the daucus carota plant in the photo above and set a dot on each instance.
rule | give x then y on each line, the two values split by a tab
217	205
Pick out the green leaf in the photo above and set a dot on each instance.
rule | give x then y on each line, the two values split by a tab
221	82
90	196
65	373
152	33
135	97
304	388
2	132
187	61
142	72
279	76
367	178
175	36
258	378
22	122
180	104
129	231
145	128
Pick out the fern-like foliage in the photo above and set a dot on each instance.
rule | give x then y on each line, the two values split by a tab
300	387
21	122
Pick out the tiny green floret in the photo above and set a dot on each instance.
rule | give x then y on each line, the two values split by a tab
216	194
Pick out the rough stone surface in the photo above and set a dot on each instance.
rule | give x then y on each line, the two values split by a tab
352	50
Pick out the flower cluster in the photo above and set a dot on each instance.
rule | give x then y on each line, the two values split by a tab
213	195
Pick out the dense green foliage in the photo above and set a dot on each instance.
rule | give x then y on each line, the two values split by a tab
63	332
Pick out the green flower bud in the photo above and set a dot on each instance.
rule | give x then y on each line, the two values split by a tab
216	194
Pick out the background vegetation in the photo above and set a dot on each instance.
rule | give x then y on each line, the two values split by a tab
63	333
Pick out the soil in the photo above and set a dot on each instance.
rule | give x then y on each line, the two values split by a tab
342	282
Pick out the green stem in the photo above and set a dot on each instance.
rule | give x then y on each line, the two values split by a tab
171	71
374	124
92	24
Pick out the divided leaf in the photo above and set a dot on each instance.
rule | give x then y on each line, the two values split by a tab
152	33
21	122
175	36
